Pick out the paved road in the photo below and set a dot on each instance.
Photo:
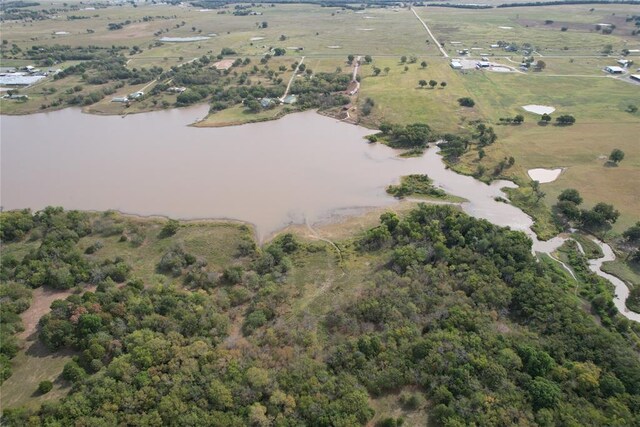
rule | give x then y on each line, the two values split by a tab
430	33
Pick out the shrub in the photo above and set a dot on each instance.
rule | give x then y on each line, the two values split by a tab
170	228
45	387
466	102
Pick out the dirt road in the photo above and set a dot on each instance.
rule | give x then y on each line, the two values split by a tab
286	92
444	53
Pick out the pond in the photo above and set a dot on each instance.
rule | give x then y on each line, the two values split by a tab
300	168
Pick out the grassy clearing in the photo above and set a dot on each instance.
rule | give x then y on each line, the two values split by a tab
591	250
238	115
30	367
544	226
390	406
399	98
214	241
627	271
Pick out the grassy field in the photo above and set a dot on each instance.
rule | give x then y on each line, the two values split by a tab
239	115
626	271
399	98
481	28
602	124
30	367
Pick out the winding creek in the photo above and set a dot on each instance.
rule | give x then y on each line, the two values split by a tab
302	168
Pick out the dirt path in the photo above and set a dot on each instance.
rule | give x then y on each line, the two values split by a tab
315	235
444	53
355	69
40	305
286	91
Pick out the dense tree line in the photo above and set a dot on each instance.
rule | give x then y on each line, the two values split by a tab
560	368
413	136
453	307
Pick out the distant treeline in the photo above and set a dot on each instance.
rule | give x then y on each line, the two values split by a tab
17	4
560	3
212	4
461	6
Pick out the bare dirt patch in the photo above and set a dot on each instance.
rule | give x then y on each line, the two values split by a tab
225	64
40	305
42	299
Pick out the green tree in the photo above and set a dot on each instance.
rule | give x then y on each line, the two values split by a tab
632	234
616	156
45	387
368	59
422	83
466	102
443	84
544	393
423	64
253	105
565	120
170	228
571	195
73	372
601	216
403	59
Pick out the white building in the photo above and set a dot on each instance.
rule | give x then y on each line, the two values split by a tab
456	65
613	69
136	95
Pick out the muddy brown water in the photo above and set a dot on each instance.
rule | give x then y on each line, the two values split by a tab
302	168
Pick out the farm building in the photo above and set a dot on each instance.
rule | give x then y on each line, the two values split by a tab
635	77
456	65
176	89
120	99
136	95
266	102
483	64
18	79
613	69
624	62
290	99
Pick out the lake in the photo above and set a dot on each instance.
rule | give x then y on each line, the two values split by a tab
303	167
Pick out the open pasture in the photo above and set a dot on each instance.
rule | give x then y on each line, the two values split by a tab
469	28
